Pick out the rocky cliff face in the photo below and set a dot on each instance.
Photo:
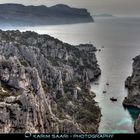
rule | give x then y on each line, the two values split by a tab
133	85
45	85
137	125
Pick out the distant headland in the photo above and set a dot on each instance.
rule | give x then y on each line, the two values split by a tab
103	15
18	14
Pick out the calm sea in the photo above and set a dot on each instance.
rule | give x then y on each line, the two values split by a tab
119	41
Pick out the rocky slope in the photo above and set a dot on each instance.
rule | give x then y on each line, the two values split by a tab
20	15
133	85
45	84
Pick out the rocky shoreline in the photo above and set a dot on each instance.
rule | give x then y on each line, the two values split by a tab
45	85
133	85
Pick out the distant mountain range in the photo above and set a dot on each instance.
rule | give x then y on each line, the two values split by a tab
17	14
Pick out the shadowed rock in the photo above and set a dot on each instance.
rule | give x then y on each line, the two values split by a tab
133	85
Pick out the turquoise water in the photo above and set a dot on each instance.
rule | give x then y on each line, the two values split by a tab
121	40
134	112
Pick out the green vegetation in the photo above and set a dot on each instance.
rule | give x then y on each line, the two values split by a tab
54	61
24	63
70	85
6	91
45	86
4	94
17	93
60	109
6	64
87	115
83	111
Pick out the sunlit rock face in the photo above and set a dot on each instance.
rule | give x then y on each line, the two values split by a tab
45	85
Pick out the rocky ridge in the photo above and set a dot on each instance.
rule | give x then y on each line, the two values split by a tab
45	85
21	15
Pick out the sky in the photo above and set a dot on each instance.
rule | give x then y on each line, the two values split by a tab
114	7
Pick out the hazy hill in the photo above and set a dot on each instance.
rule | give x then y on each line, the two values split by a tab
17	14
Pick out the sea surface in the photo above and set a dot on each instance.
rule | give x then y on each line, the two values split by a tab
119	41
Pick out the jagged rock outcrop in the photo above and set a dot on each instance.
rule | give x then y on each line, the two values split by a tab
133	85
45	85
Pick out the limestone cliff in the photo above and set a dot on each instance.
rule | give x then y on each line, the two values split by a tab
45	84
133	85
